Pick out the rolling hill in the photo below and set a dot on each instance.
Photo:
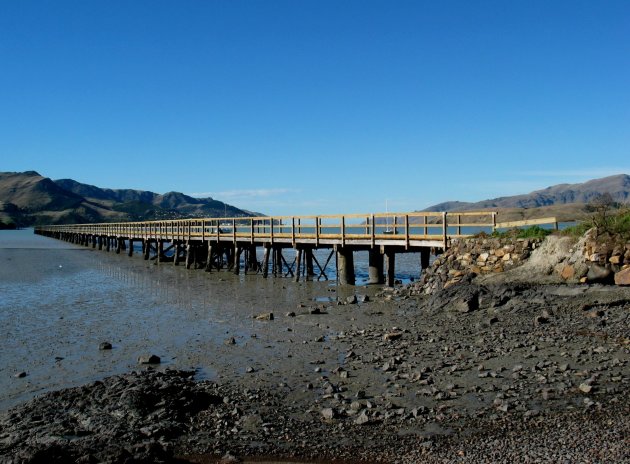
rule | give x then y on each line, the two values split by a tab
565	201
28	198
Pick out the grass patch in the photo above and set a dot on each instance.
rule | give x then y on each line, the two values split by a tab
611	223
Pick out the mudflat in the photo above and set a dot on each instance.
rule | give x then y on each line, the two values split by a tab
475	373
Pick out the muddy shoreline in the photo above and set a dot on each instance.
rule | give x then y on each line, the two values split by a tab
473	373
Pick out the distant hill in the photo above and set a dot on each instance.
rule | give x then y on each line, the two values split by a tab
27	198
563	200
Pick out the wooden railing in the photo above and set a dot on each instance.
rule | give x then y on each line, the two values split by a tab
399	228
528	222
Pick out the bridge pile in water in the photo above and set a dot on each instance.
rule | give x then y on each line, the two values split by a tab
232	243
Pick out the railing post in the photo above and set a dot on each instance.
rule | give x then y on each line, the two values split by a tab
271	229
252	227
373	231
406	231
444	231
494	221
293	230
316	231
343	230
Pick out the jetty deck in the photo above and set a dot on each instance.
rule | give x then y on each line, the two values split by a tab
231	243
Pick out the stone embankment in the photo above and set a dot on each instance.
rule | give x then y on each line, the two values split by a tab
469	258
595	258
608	257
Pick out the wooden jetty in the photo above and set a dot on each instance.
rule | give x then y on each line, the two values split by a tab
232	243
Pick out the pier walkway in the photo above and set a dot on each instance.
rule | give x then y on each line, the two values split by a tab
232	243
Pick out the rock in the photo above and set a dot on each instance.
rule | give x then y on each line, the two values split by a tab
250	370
149	359
230	341
363	419
20	375
228	458
264	317
615	259
290	314
468	304
315	311
391	336
364	299
568	272
351	299
585	388
623	277
538	320
329	413
598	274
105	346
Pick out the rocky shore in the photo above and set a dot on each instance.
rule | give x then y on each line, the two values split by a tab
484	370
472	373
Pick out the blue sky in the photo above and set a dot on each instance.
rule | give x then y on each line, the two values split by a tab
315	107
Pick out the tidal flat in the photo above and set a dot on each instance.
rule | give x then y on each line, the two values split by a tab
535	373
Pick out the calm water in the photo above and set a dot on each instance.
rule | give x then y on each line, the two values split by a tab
59	301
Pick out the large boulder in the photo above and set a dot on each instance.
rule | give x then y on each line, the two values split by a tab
623	277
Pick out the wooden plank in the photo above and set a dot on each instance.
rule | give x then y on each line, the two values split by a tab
527	222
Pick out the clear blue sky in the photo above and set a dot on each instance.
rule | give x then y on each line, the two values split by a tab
300	107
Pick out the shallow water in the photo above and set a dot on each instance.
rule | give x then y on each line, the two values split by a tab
59	301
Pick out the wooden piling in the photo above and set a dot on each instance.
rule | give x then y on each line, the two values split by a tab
189	254
209	259
237	259
308	261
118	245
130	251
345	266
375	263
425	256
265	264
390	256
177	248
160	250
298	262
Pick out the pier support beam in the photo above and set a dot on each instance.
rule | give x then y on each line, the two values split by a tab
298	263
160	250
252	259
189	254
265	263
209	260
108	243
237	259
345	266
425	255
375	263
277	261
146	249
308	261
100	242
390	256
118	245
177	247
130	251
